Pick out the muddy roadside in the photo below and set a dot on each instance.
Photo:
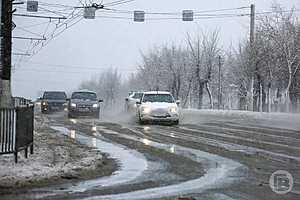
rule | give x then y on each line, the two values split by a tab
56	159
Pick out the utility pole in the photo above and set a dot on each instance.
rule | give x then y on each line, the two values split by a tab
5	53
219	86
1	47
252	24
252	35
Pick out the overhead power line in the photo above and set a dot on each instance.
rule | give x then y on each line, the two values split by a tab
82	67
34	25
204	14
174	18
112	10
274	12
28	31
20	54
65	72
64	19
27	38
55	5
39	16
120	2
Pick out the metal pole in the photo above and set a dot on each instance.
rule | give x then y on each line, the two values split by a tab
5	55
1	47
219	86
252	34
252	24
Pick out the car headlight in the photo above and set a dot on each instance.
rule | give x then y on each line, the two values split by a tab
44	103
146	110
173	110
73	105
95	105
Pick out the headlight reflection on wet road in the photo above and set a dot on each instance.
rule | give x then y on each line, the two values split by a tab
146	142
73	134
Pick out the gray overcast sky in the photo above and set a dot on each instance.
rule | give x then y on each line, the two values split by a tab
101	43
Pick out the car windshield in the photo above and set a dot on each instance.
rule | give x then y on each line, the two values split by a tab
167	98
137	95
84	96
55	95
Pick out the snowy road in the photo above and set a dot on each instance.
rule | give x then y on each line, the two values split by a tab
206	159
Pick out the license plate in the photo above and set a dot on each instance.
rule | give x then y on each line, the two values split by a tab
84	110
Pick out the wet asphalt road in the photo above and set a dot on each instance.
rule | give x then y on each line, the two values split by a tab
208	158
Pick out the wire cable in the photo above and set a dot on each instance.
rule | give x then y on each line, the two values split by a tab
55	5
175	13
27	31
118	2
71	66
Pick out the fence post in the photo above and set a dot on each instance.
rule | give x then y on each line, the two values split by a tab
26	152
16	156
31	149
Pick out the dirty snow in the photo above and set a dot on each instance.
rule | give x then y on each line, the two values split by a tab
54	157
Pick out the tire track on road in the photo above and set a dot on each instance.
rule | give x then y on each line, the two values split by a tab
219	128
181	134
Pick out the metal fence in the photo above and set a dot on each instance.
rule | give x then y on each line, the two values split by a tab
16	130
20	101
7	131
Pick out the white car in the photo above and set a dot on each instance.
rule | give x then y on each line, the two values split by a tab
158	106
130	101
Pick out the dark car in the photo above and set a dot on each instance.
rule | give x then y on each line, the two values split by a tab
83	103
53	101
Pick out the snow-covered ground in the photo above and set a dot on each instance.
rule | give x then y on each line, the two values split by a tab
56	158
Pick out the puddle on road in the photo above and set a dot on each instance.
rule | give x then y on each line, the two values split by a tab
132	162
219	171
74	121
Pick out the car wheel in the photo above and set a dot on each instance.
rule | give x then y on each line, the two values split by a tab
141	122
176	122
70	115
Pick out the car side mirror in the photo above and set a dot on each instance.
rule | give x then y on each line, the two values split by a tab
178	102
138	103
126	99
100	100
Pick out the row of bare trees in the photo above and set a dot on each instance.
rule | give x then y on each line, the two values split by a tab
262	76
187	71
267	72
107	85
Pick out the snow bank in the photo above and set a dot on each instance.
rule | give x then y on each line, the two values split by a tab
55	158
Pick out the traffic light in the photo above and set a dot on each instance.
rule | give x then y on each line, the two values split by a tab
139	16
187	15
